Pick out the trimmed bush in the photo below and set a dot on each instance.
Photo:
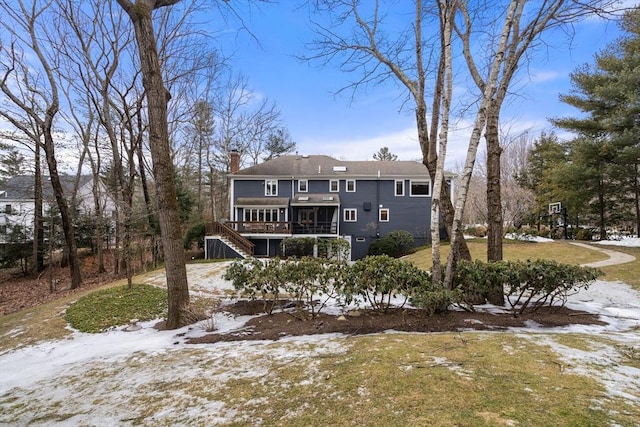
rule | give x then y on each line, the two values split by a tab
297	247
396	244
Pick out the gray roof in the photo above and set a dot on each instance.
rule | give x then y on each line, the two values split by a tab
308	199
262	201
320	166
21	187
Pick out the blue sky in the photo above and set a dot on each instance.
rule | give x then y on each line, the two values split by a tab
323	123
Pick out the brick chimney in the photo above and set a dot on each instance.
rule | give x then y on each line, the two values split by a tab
234	165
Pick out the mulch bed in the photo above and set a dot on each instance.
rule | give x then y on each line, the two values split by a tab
285	324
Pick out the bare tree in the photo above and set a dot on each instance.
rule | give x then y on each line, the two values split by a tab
157	97
530	21
359	40
26	24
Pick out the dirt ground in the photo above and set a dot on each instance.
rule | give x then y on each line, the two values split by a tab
283	324
18	291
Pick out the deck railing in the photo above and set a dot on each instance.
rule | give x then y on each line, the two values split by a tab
217	228
280	227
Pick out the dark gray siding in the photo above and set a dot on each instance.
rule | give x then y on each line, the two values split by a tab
255	188
405	212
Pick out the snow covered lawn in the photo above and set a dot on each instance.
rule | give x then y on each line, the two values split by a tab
150	377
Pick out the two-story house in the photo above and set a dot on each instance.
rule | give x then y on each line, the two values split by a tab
17	202
319	196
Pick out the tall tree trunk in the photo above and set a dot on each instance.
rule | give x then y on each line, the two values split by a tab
601	208
65	214
494	200
38	226
163	171
636	191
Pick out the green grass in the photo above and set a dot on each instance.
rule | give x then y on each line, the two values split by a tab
628	273
563	252
103	309
435	379
466	379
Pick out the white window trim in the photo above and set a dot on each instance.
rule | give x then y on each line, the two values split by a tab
395	187
350	210
380	215
428	182
337	190
306	185
266	187
347	186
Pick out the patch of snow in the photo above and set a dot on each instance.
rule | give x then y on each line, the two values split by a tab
527	238
118	367
632	242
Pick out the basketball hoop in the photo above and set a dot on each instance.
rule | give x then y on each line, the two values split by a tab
555	208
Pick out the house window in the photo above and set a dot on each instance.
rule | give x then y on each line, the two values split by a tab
420	188
261	215
303	186
7	209
271	187
351	185
399	187
334	185
3	228
383	215
350	215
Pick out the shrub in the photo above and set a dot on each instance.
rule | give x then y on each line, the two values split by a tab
396	244
297	247
311	282
337	249
476	230
254	278
527	285
542	282
584	234
380	279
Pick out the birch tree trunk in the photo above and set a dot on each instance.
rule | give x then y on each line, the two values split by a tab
474	141
446	14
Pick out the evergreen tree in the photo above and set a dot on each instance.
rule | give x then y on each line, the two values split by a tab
279	142
12	163
384	154
608	147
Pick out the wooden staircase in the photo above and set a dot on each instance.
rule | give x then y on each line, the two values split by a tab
231	238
